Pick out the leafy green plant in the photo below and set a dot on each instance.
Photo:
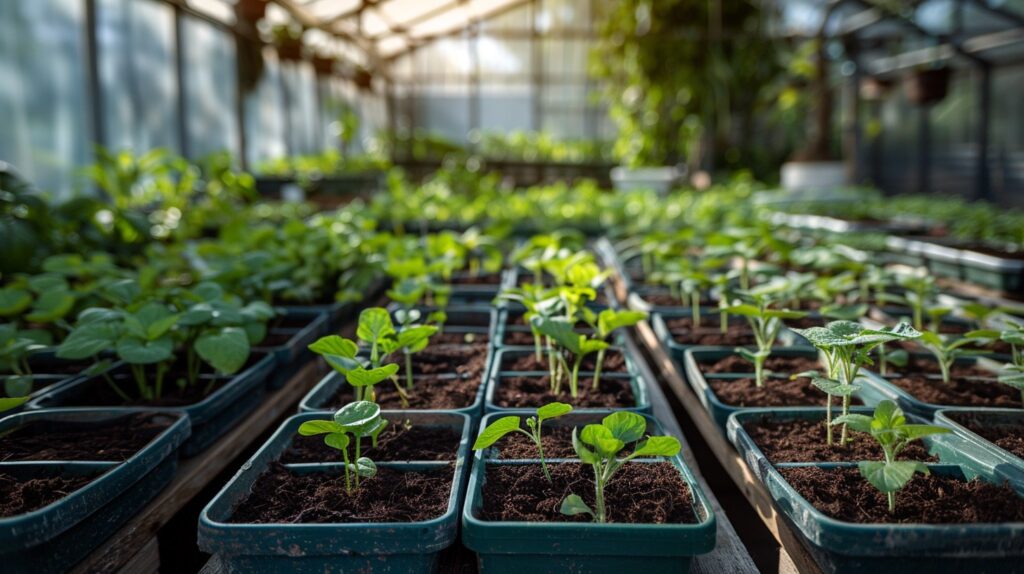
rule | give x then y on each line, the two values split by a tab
560	332
599	445
351	424
766	324
846	347
608	321
889	427
16	345
948	349
505	425
1012	373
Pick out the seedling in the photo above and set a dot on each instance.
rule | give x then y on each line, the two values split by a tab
948	349
847	347
506	425
920	292
608	321
15	347
889	427
1012	374
599	445
360	419
561	333
538	300
766	324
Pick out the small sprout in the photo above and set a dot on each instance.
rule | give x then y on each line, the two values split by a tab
599	444
15	347
847	347
1012	374
505	425
360	419
579	346
766	324
608	321
889	427
948	349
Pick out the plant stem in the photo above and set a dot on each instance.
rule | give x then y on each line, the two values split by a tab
846	410
599	491
882	363
759	370
359	443
408	370
597	369
695	308
139	372
828	420
348	484
574	380
540	449
536	346
944	365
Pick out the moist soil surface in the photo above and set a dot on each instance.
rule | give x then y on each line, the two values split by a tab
637	494
280	496
777	364
396	443
557	443
116	441
843	494
663	299
805	441
614	362
959	391
20	496
429	392
775	392
534	391
447	338
1009	437
709	333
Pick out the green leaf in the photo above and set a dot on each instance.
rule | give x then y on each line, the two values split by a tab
891	476
573	505
560	331
916	431
553	410
833	387
610	320
17	385
13	301
89	340
226	350
51	306
8	403
335	345
416	338
859	423
625	426
311	428
658	446
495	431
362	377
138	351
357	417
364	467
337	440
745	309
374	324
586	455
601	438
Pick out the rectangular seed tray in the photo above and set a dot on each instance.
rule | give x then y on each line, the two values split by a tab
295	352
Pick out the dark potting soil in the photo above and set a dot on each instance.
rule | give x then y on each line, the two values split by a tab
447	338
534	391
1009	437
780	365
396	443
637	494
116	441
805	441
467	360
614	362
709	333
776	392
664	299
557	443
924	365
280	496
959	391
20	496
843	494
429	392
518	338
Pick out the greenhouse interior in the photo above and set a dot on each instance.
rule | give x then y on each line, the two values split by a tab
710	286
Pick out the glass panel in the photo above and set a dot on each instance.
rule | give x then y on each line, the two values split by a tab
210	89
137	79
507	107
563	15
264	119
44	102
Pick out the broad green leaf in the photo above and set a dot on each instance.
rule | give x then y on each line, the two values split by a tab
89	340
916	431
159	327
335	345
198	314
744	309
658	446
364	467
560	331
552	410
495	431
208	291
573	505
337	440
859	423
51	306
17	385
226	350
122	292
833	387
374	324
891	476
610	320
48	282
416	338
588	346
362	377
311	428
784	314
13	301
601	438
8	403
141	352
625	426
358	416
586	455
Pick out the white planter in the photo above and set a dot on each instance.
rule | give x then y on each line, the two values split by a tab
659	179
799	175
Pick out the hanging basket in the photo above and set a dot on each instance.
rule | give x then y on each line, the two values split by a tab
927	87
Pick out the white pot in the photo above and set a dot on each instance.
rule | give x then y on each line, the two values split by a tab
659	179
798	175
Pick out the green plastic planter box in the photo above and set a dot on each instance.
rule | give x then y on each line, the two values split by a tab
710	316
504	325
210	418
343	547
294	353
55	537
465	318
698	381
318	398
991	461
493	381
471	293
517	547
877	389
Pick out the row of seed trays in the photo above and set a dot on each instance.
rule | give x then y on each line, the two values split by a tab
506	417
883	416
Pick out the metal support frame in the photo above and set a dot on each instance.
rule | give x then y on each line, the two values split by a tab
179	74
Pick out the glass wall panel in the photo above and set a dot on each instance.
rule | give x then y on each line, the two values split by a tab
210	88
44	103
264	118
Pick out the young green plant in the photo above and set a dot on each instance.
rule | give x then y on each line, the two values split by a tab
509	424
766	324
608	321
889	427
599	445
357	420
562	335
948	349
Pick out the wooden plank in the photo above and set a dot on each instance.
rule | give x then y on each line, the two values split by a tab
751	487
729	555
145	561
195	473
